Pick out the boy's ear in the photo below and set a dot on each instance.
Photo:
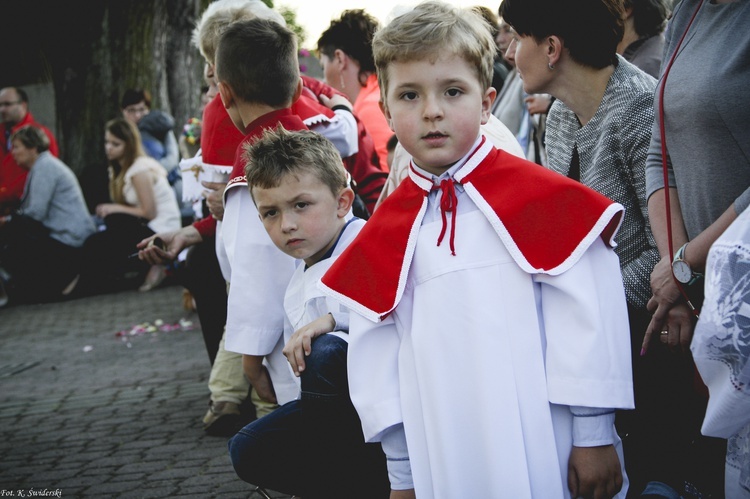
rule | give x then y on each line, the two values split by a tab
487	100
387	114
297	91
226	93
346	198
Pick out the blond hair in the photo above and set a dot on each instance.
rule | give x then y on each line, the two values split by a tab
222	13
279	153
432	29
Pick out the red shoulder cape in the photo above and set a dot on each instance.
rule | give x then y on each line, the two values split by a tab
546	221
284	117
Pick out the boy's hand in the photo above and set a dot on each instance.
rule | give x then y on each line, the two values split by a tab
300	344
594	472
259	378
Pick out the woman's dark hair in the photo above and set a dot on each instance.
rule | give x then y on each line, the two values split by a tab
32	138
649	16
352	33
589	29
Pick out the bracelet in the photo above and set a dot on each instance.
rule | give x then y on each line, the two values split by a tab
341	106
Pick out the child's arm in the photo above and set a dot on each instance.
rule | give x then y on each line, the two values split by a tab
300	344
594	467
259	378
393	441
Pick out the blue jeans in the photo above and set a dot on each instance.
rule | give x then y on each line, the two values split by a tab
314	446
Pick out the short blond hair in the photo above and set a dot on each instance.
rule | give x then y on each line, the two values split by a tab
222	13
432	29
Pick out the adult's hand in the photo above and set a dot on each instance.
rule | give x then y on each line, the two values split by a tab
174	242
669	312
335	100
215	198
676	331
105	209
538	103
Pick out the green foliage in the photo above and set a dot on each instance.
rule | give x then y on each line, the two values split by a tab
290	16
269	3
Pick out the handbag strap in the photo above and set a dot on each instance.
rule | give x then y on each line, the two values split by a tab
663	136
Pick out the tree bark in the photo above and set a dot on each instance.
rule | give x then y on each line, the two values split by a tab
92	51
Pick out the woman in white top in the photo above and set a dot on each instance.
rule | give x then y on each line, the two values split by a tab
143	204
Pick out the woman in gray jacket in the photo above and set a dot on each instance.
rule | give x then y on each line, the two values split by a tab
40	244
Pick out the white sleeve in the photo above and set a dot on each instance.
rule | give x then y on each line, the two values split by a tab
585	321
397	458
339	313
372	366
593	427
260	275
342	132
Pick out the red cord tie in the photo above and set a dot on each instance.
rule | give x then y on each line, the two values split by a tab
448	202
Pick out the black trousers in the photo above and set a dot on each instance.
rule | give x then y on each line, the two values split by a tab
39	265
661	437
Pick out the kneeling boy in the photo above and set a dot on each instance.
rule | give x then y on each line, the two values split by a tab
313	446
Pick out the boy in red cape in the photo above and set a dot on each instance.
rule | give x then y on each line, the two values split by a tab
489	347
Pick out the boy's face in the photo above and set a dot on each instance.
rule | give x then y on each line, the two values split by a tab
302	215
436	108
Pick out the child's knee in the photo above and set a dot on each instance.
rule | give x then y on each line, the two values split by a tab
325	367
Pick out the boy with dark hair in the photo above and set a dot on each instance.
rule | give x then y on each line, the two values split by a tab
487	277
300	188
258	79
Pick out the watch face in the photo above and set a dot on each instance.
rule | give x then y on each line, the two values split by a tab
682	271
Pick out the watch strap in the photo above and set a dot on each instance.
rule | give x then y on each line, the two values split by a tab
680	256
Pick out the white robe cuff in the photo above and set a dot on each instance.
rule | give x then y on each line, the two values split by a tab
341	318
593	427
397	458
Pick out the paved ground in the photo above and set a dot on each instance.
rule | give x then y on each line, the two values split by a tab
90	414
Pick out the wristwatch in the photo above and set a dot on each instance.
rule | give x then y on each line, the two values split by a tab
681	269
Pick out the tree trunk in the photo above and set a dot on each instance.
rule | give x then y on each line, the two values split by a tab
92	51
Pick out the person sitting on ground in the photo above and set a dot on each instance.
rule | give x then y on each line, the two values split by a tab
299	186
158	139
40	243
483	275
154	126
14	114
143	204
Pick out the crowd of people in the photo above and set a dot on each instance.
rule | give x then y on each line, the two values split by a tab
493	254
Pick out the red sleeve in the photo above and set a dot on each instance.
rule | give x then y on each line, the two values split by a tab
206	227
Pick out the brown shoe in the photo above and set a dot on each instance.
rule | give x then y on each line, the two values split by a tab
223	419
